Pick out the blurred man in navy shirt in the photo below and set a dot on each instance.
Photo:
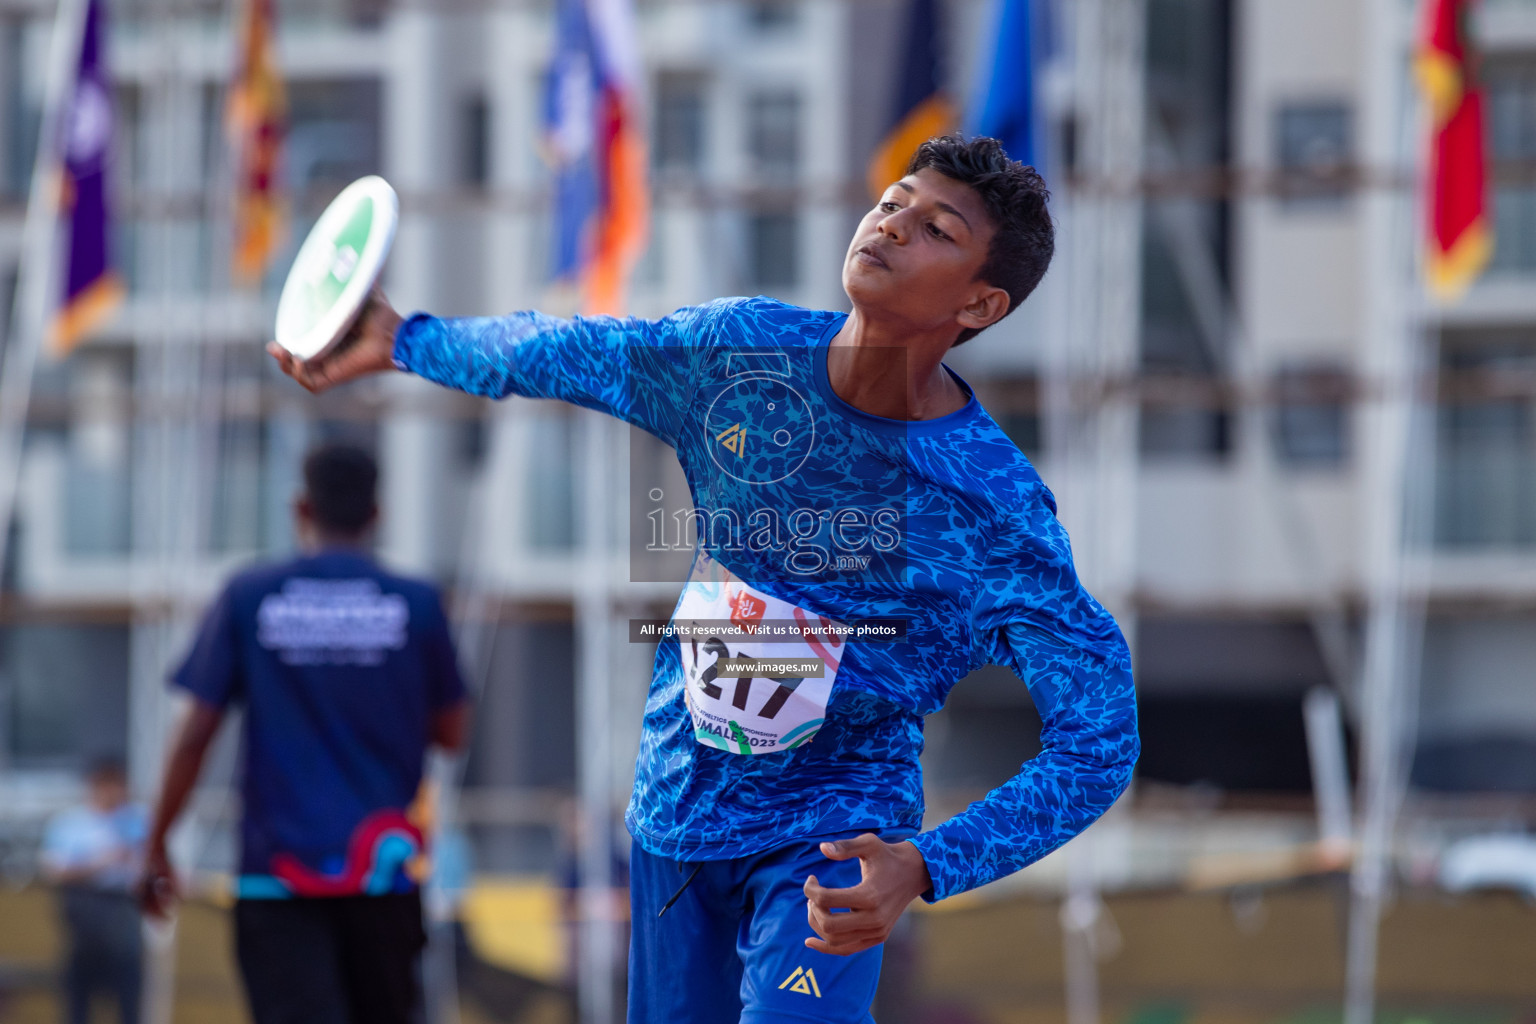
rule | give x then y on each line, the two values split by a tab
346	674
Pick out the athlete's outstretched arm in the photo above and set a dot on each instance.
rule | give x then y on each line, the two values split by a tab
638	370
1037	619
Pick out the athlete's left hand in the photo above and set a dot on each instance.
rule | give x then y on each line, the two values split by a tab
852	920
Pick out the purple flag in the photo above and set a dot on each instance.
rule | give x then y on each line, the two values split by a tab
91	286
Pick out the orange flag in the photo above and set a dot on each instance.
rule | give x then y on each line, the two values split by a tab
1459	222
922	110
256	119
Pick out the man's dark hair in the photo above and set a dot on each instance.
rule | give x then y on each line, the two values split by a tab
341	481
1014	195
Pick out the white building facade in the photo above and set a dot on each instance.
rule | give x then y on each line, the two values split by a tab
165	451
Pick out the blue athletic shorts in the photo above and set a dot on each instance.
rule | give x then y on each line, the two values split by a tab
732	948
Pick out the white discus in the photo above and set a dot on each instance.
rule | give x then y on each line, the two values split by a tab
336	267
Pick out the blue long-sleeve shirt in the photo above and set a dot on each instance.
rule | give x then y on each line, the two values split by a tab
815	512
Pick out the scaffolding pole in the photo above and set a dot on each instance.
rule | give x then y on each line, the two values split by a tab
598	439
1091	434
1398	498
176	446
36	276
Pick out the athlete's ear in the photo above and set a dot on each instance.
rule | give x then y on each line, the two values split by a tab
987	306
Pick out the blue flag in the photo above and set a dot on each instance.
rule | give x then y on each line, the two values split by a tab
1006	103
592	139
921	109
570	132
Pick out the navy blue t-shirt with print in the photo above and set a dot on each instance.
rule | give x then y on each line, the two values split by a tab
339	667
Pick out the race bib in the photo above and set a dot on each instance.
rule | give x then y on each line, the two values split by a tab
757	671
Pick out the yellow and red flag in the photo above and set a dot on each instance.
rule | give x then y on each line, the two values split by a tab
1459	222
256	118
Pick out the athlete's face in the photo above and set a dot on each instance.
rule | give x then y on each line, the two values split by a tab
915	257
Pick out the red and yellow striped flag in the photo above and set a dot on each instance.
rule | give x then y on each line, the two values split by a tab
1460	230
256	119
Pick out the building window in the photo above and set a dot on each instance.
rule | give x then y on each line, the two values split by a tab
1220	702
1477	723
540	237
63	693
97	481
238	524
773	133
772	15
334	138
1023	429
1185	433
1313	149
772	243
334	135
1015	405
651	268
1485	490
1512	144
19	118
551	506
475	141
679	144
1312	416
472	439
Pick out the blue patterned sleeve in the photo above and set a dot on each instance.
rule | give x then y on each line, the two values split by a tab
638	370
1035	617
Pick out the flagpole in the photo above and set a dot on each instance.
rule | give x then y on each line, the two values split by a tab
35	275
1091	432
596	947
1399	505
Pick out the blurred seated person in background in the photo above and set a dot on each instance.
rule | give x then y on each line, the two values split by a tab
94	853
347	674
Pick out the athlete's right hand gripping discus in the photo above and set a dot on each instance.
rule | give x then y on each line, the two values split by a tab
336	268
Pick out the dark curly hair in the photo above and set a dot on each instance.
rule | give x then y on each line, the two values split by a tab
341	482
1014	195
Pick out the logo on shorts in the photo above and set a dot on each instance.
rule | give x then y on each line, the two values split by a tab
804	980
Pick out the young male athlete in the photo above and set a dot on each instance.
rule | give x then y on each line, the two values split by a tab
848	486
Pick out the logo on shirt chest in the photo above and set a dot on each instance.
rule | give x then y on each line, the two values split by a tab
734	438
762	428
